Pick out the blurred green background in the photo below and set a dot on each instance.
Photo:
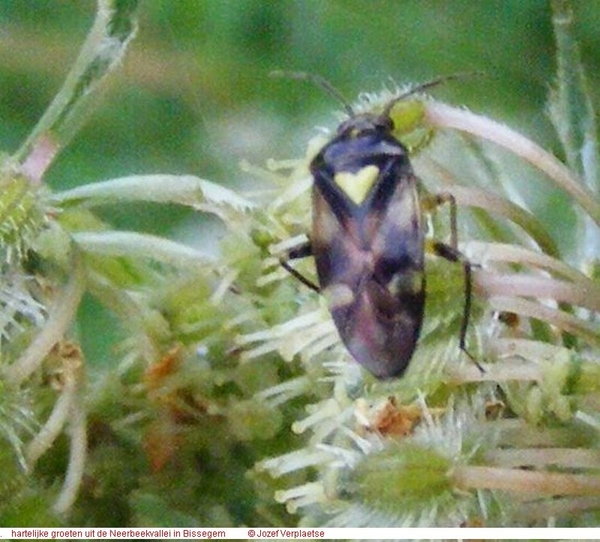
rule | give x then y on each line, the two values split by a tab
194	94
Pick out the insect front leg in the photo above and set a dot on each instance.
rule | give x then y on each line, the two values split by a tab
302	251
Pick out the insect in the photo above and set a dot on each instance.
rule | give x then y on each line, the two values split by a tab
368	238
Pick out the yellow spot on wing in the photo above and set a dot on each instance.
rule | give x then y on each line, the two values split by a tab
338	295
410	282
357	185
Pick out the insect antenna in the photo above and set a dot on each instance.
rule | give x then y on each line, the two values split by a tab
320	82
426	85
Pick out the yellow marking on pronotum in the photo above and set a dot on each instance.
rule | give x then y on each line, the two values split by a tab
357	185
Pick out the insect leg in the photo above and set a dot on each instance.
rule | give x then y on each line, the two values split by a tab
432	201
302	251
452	254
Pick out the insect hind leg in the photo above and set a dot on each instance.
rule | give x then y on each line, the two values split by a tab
302	251
452	254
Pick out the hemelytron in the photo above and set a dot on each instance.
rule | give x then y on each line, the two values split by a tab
368	238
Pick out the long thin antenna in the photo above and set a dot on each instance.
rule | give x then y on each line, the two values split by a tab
424	86
320	82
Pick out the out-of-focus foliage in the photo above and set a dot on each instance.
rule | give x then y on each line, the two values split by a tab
194	94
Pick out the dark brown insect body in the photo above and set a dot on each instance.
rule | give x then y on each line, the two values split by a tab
368	243
368	239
